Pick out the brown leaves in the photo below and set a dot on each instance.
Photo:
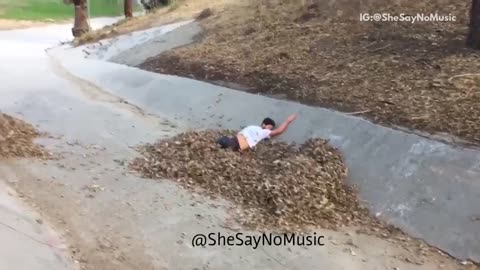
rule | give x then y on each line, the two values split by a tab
205	14
16	138
279	186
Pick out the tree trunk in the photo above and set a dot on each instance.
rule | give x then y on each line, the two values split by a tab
473	39
80	26
127	5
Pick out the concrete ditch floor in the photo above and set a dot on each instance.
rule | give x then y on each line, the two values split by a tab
114	220
27	242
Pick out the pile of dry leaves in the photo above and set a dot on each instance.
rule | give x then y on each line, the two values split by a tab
16	138
278	185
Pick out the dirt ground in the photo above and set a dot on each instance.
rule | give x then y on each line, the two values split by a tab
418	76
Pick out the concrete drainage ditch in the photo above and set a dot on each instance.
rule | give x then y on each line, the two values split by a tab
427	188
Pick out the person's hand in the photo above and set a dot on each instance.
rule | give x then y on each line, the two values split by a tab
292	118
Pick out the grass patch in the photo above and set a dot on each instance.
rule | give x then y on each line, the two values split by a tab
38	10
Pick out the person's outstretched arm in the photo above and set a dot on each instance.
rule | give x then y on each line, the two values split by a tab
284	126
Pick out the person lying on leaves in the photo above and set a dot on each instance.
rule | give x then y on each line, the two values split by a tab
250	136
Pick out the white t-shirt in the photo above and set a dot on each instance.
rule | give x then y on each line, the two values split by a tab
254	134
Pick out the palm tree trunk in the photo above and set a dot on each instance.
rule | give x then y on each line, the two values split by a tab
473	39
80	26
127	5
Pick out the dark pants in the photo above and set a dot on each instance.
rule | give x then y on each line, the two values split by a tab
229	142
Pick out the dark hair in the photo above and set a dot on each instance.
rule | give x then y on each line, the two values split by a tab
268	121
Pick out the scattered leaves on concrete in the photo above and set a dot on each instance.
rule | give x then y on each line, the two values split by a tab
279	186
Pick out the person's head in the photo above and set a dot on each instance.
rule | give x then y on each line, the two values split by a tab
268	123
